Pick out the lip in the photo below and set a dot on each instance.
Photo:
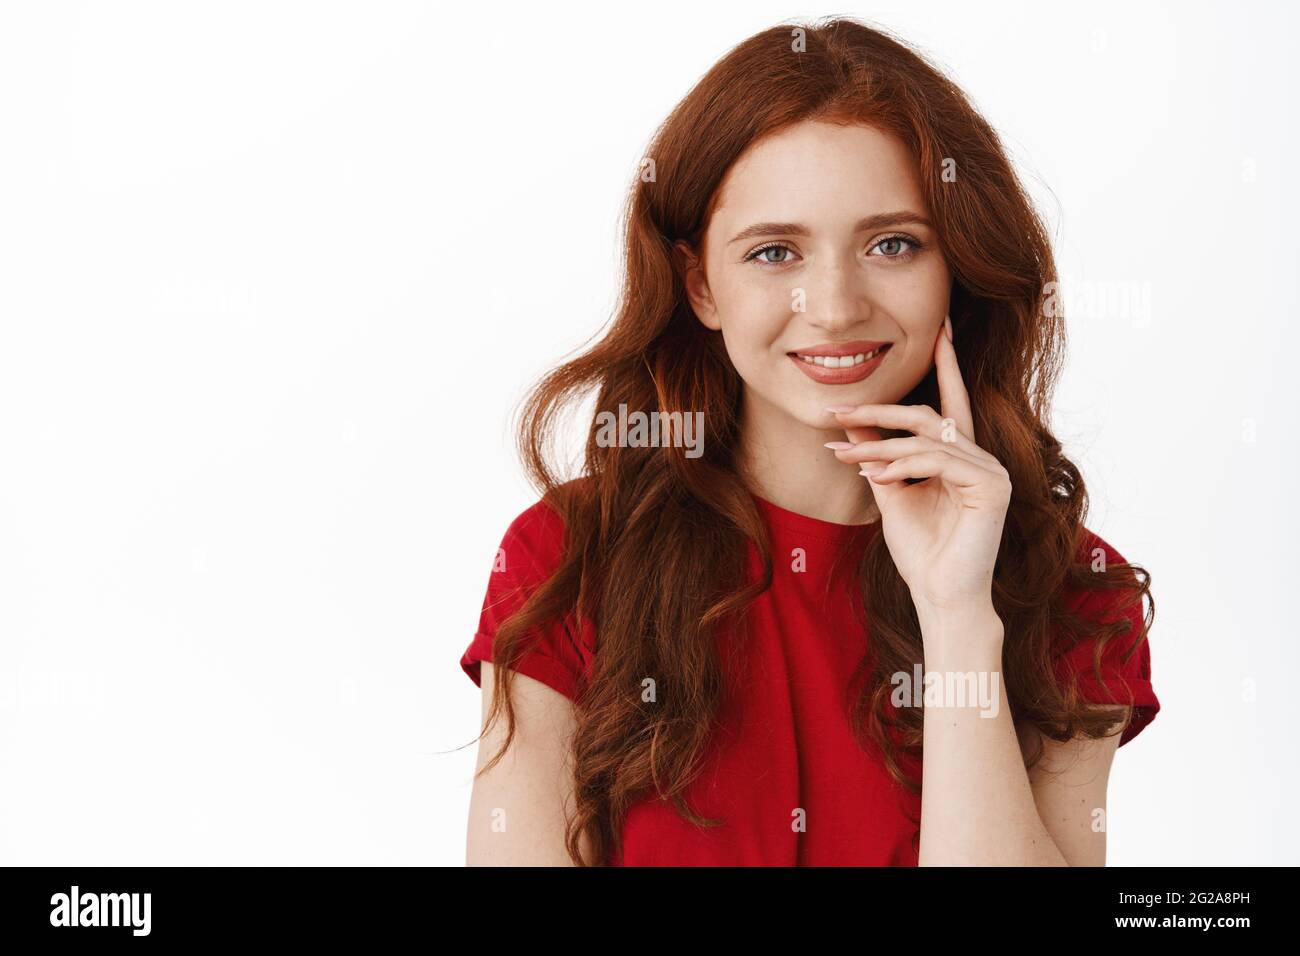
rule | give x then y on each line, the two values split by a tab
840	376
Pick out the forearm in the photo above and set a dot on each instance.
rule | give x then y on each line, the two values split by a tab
977	808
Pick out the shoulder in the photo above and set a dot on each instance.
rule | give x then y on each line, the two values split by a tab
538	525
1092	548
1094	590
534	541
544	518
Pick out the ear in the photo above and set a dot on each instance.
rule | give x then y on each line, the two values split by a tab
697	285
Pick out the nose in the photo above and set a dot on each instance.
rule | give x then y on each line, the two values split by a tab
836	299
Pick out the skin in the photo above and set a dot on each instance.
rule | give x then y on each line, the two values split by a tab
857	284
517	808
979	804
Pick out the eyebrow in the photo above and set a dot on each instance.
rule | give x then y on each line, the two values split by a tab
879	221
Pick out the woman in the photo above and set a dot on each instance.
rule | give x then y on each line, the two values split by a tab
736	650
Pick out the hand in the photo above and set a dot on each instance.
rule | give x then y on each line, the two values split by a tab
943	533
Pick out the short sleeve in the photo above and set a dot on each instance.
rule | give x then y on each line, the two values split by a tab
558	653
1125	678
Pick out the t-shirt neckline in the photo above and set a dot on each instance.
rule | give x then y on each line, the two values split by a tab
807	525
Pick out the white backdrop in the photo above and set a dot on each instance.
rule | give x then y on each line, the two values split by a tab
274	277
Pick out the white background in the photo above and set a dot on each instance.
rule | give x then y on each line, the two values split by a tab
273	278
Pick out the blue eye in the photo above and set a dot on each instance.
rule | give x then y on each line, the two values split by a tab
912	244
900	246
769	248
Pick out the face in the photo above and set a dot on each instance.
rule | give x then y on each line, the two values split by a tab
819	252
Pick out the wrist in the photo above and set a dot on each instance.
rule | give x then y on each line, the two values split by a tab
975	625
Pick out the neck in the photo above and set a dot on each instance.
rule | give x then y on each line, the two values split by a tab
786	462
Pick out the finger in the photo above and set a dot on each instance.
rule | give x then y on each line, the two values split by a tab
954	400
892	448
912	418
919	419
948	468
858	435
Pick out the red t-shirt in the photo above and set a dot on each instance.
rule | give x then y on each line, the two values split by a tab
784	769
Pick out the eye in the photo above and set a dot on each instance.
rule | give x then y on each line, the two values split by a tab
778	246
905	246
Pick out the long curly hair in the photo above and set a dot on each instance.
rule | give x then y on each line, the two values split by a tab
656	542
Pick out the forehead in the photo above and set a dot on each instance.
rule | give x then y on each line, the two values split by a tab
821	174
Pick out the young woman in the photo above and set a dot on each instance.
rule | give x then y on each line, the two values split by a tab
736	649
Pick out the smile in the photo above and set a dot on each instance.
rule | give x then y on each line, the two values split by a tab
840	364
840	361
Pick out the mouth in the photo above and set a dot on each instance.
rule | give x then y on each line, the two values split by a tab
840	364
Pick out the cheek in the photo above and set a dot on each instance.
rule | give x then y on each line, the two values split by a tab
754	316
919	360
919	303
915	296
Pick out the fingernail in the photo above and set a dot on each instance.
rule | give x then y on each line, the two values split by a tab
872	467
839	409
947	325
839	445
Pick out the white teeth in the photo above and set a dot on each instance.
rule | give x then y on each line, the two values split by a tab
840	361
